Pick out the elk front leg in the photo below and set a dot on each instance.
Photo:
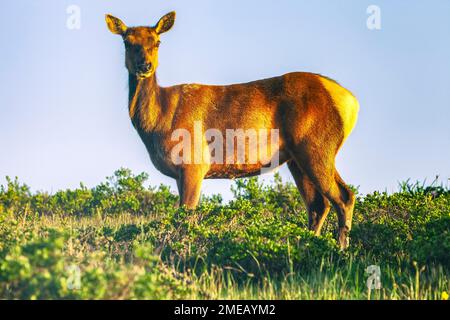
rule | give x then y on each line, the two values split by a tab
189	185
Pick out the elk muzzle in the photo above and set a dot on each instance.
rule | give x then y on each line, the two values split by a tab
144	70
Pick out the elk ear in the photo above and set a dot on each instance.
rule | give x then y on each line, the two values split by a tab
165	23
115	25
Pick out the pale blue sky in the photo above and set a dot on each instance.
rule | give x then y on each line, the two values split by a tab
63	93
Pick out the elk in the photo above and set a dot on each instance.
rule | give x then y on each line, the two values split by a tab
313	115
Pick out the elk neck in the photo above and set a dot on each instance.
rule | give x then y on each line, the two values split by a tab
144	102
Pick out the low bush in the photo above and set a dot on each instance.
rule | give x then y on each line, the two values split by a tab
122	240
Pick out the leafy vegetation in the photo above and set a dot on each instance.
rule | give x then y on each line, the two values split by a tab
122	240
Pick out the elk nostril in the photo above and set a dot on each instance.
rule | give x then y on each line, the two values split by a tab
145	67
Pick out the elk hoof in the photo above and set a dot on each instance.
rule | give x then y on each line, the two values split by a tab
344	239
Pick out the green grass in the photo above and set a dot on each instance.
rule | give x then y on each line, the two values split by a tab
129	241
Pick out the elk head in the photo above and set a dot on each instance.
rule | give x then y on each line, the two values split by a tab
141	43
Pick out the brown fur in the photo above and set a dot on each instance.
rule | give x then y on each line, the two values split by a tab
314	115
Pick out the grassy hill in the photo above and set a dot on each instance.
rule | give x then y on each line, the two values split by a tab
122	240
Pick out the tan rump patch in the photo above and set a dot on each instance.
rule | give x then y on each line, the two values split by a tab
345	102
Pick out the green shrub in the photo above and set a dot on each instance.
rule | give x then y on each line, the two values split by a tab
41	266
431	243
131	241
241	236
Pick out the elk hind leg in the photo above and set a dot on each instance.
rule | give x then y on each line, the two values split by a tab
321	171
316	204
346	204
